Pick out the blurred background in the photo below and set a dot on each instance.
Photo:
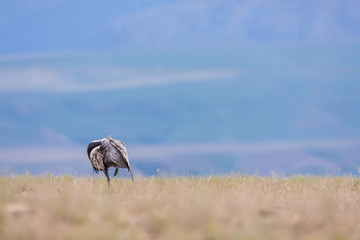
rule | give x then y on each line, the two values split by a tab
191	87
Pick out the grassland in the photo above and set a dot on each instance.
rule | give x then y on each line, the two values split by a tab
216	207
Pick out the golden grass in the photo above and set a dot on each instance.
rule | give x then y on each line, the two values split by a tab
216	207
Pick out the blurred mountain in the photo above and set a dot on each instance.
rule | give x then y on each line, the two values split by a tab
293	94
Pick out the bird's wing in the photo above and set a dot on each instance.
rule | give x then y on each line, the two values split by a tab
96	159
120	146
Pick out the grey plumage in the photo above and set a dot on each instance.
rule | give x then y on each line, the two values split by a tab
108	152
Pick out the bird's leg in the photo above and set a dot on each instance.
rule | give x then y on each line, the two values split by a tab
116	171
107	176
132	177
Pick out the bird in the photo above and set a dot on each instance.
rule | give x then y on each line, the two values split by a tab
108	152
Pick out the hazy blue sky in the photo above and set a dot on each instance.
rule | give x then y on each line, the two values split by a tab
232	85
62	25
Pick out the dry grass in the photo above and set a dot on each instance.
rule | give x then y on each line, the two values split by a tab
223	207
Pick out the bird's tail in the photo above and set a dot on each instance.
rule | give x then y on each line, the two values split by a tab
95	170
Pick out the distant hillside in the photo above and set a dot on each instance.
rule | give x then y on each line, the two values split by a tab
250	95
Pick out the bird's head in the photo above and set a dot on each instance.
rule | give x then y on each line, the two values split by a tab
104	143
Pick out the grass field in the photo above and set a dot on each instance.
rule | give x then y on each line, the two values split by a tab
215	207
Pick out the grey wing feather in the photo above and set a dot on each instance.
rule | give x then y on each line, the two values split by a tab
120	146
96	159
